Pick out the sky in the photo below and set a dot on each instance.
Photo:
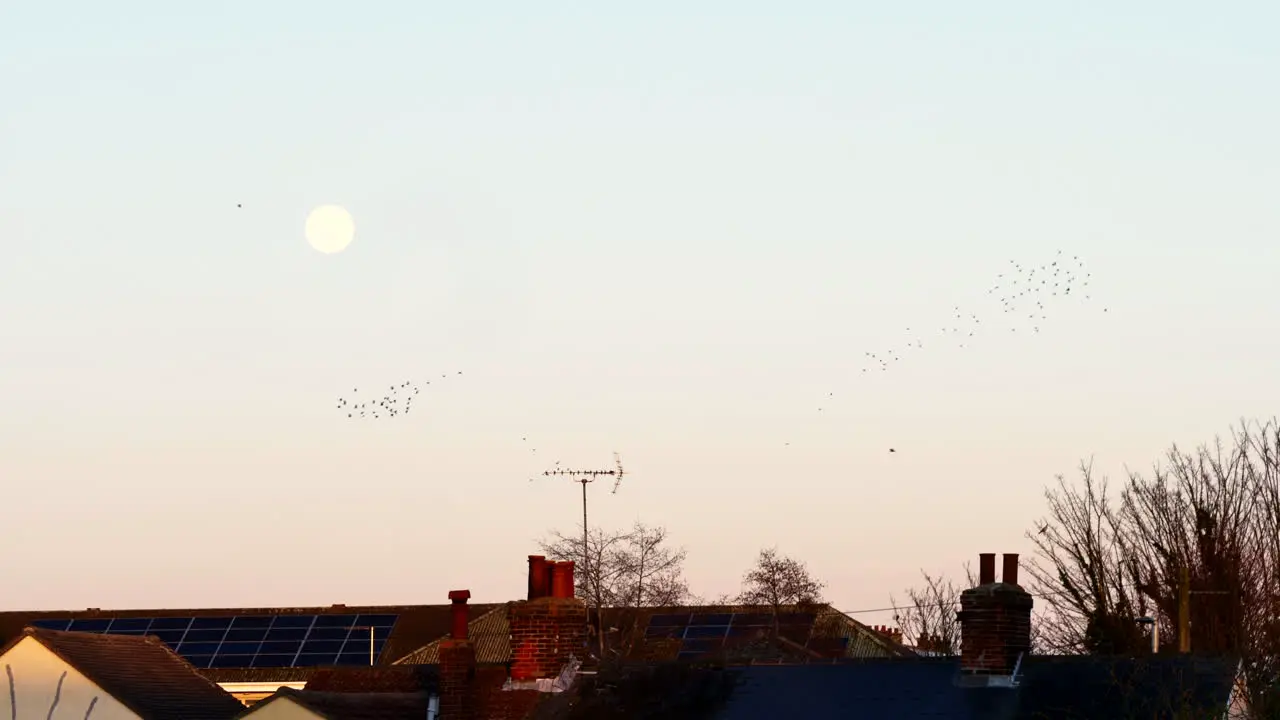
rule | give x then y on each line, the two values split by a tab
668	230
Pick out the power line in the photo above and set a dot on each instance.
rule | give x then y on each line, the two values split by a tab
952	603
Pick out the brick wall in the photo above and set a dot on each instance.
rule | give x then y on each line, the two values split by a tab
457	680
995	627
544	633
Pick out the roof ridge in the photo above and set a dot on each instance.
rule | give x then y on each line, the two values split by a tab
242	610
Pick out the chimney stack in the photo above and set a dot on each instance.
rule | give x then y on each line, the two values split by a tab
995	620
457	663
550	626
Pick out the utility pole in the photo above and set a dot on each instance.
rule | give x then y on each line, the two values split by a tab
583	478
372	656
1184	607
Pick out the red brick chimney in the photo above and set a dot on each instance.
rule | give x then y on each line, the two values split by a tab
457	664
890	633
995	620
550	626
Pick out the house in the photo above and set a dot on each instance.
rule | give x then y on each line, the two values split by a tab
252	652
106	677
547	633
739	633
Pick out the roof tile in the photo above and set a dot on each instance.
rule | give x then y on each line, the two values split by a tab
142	673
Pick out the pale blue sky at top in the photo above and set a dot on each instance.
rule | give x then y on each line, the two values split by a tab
667	230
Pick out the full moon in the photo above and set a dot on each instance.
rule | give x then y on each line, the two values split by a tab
330	229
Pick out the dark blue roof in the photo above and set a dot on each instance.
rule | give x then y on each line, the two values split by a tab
1051	688
1097	687
905	689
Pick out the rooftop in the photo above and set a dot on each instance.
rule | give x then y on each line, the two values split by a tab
140	672
262	644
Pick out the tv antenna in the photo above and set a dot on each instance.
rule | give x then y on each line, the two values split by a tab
584	478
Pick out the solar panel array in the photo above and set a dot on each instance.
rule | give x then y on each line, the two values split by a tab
253	641
703	633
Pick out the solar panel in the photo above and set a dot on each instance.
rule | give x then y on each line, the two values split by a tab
669	620
244	641
701	645
129	625
706	631
753	620
719	619
664	632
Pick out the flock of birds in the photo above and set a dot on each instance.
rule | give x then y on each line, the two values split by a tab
397	401
1025	294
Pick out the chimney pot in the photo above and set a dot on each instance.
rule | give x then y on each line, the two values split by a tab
539	577
1010	573
459	598
562	580
986	568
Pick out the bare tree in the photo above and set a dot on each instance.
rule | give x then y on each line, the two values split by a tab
929	615
600	574
652	572
1213	514
776	581
624	570
1081	571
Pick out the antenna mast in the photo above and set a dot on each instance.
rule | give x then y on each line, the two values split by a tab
584	477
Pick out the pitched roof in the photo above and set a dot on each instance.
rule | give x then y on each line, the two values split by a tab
490	635
1077	687
805	631
142	673
905	689
415	626
354	706
1101	687
818	632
